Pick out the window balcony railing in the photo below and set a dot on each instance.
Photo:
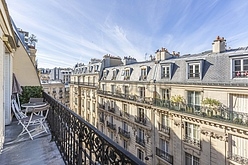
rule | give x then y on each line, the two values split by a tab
140	120
78	141
146	100
111	125
124	114
240	74
124	133
140	141
164	155
217	113
165	129
91	84
238	159
193	75
192	141
102	106
111	109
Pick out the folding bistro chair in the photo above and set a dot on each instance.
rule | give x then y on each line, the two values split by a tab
33	125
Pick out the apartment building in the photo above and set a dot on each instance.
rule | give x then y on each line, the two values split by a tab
84	85
56	89
173	109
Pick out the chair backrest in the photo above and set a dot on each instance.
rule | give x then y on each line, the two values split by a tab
35	100
40	109
17	111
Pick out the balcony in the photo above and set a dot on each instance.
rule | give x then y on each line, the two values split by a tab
102	106
140	141
124	114
124	133
111	110
117	94
192	141
140	120
164	155
89	84
165	129
76	140
238	159
222	114
111	125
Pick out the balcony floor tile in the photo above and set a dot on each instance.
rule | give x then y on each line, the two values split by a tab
22	150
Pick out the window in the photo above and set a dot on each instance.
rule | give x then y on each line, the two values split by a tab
143	75
165	72
165	94
111	119
141	113
240	68
142	92
125	110
141	134
113	89
194	100
191	160
238	146
126	90
105	73
127	74
164	145
194	70
192	134
125	144
103	87
88	105
164	120
114	74
124	126
140	154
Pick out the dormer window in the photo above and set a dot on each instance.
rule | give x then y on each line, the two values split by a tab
105	73
96	68
240	68
85	69
115	71
143	75
195	69
165	72
127	74
90	68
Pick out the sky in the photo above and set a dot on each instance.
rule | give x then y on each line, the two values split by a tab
74	31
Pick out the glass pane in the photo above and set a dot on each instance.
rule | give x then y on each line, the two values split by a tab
237	62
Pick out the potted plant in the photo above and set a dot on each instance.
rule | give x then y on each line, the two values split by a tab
177	102
212	105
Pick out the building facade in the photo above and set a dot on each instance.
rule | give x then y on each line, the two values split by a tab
173	109
84	85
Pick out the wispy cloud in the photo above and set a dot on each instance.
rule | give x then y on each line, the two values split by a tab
74	31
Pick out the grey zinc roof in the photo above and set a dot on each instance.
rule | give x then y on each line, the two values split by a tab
216	67
135	71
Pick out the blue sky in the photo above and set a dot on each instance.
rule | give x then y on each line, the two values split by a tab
74	31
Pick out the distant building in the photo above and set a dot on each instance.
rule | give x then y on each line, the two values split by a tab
173	109
56	89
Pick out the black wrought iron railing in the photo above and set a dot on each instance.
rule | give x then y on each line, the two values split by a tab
146	100
193	141
218	113
85	83
140	120
221	113
111	125
124	133
164	155
163	128
80	143
237	158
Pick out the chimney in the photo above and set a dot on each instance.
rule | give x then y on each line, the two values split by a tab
219	45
